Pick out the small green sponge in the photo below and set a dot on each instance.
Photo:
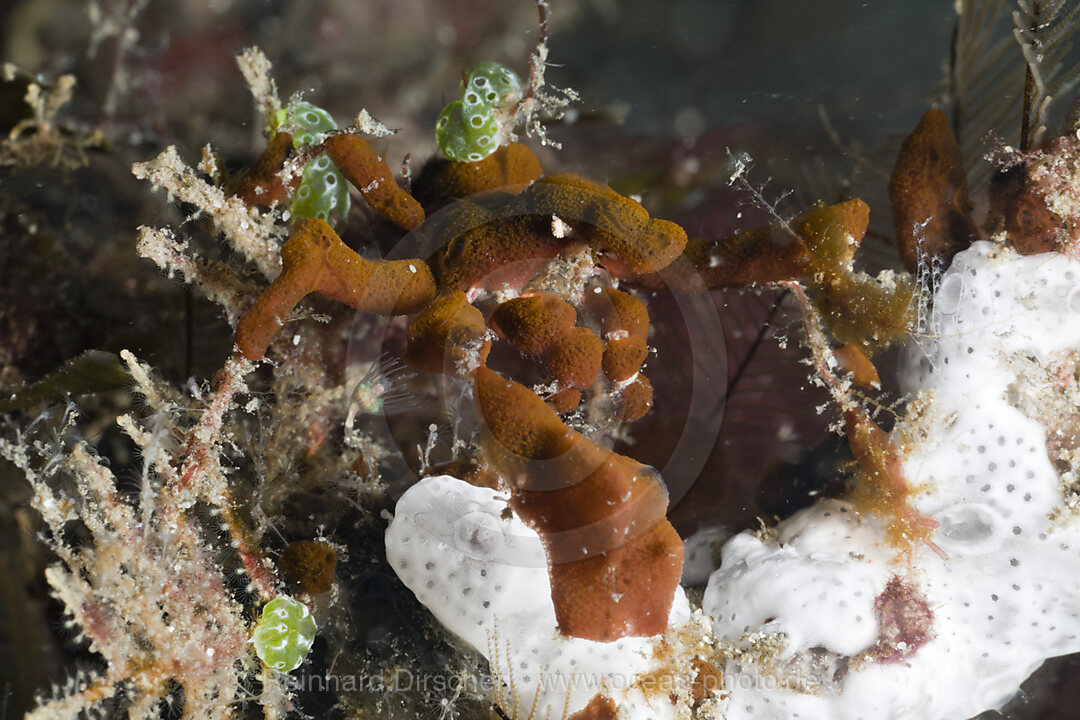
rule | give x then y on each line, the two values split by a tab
323	192
284	633
470	129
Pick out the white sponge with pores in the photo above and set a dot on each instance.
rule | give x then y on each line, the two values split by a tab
948	637
807	586
483	574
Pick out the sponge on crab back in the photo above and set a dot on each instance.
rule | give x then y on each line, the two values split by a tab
613	558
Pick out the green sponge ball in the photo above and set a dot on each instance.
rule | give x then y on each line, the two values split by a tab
284	633
311	122
473	127
466	133
492	84
323	192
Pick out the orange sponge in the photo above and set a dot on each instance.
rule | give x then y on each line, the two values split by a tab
623	357
574	359
613	558
535	322
492	253
370	174
315	260
928	192
494	230
308	565
607	220
636	400
820	240
626	592
625	322
445	333
855	361
620	313
565	401
511	167
261	185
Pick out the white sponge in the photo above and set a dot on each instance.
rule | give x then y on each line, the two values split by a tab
821	617
483	574
1007	596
